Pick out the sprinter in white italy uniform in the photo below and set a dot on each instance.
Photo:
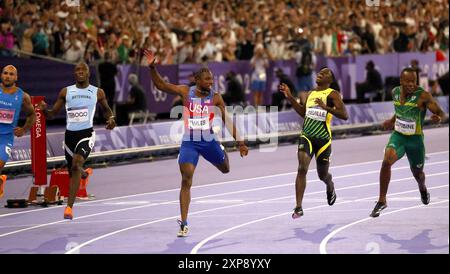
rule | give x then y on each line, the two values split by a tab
80	101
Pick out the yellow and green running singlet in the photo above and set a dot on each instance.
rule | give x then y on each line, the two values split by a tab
317	120
408	117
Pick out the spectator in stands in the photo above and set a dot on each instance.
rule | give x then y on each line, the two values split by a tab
111	48
444	83
415	65
401	41
278	98
383	41
368	39
434	88
420	25
354	46
124	50
136	101
59	32
277	48
372	83
73	49
306	62
327	39
168	58
40	40
27	42
184	49
107	71
421	38
6	39
234	94
259	63
245	46
92	52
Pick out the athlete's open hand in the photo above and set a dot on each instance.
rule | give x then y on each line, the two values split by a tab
285	90
388	124
243	149
111	123
19	132
435	118
320	103
151	58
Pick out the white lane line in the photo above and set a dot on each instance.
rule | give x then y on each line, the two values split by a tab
203	242
203	186
197	198
225	207
323	244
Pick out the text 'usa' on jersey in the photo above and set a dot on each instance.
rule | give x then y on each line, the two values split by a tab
198	112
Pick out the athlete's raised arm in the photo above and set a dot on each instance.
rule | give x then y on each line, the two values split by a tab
159	82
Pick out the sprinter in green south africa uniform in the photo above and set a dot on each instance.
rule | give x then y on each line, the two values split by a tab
411	103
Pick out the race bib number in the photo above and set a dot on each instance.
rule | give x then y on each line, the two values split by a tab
78	115
405	127
199	123
316	114
7	116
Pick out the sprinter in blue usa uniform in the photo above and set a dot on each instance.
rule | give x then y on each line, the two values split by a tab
200	104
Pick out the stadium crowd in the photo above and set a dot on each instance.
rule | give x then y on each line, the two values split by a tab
183	31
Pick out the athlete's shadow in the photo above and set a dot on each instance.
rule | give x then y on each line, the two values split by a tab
420	243
179	246
182	246
54	246
314	237
205	247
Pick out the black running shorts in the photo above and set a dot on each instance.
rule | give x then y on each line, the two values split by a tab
78	142
321	148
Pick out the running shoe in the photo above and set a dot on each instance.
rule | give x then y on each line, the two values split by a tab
425	197
2	184
331	197
68	214
183	229
298	212
377	210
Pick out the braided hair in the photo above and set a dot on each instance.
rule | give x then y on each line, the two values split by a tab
199	72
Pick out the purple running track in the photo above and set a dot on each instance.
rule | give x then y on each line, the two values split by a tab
247	210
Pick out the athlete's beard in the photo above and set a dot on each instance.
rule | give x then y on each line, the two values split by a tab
204	91
7	86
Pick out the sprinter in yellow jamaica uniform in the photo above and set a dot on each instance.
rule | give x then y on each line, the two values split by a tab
317	109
